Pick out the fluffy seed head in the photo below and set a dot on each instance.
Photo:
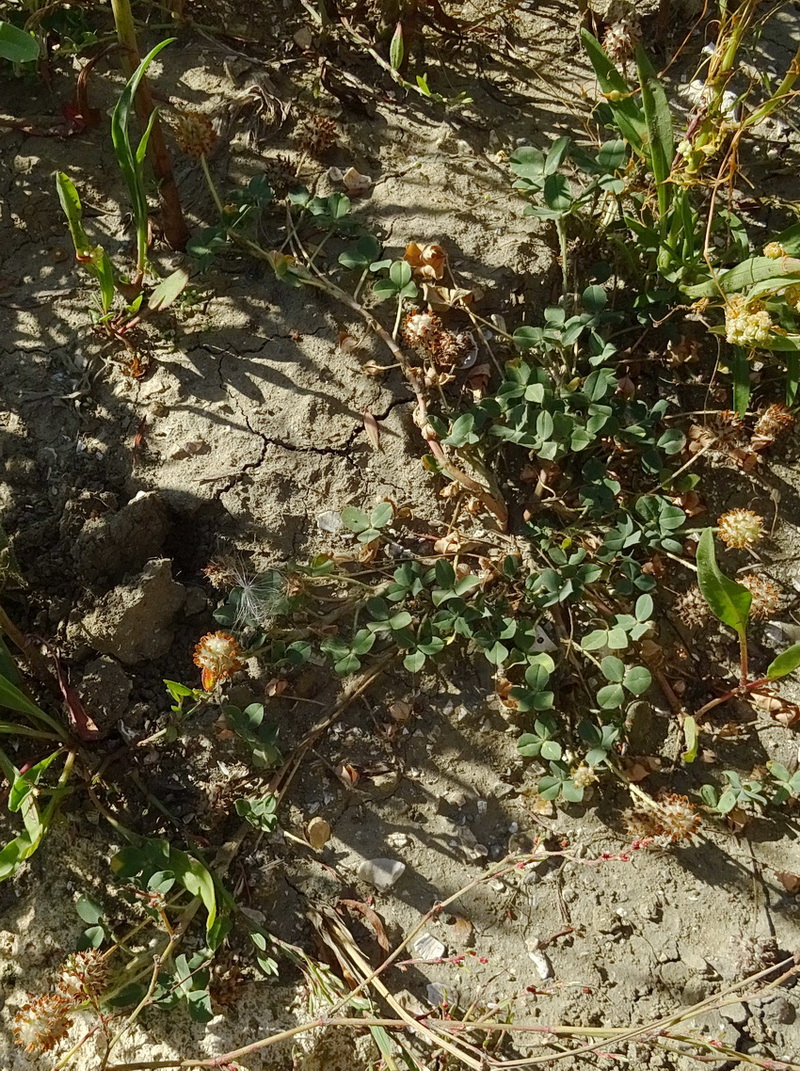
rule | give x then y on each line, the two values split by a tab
775	419
740	528
218	655
84	974
316	134
774	250
746	323
766	595
41	1023
692	608
195	134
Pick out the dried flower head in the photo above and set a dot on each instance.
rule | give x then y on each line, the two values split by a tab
41	1023
672	819
218	655
746	323
84	975
766	595
317	133
280	174
195	134
692	608
583	776
740	528
421	332
772	422
774	250
791	296
621	38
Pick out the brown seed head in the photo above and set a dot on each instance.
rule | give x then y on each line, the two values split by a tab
84	974
766	595
195	134
41	1023
316	134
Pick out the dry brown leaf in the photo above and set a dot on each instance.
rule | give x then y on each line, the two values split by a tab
347	774
790	882
737	819
442	298
277	686
318	833
372	430
463	931
372	917
427	261
400	710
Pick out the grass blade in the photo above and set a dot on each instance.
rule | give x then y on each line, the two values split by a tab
627	113
660	138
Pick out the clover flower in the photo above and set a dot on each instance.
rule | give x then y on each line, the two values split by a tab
774	250
583	776
218	655
673	819
740	528
692	608
746	323
316	134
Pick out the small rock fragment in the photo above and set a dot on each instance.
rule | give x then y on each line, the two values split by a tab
382	873
329	521
541	963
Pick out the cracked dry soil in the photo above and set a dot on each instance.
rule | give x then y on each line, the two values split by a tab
247	426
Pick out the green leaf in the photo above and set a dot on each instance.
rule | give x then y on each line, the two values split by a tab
414	661
740	369
400	273
17	45
25	783
610	697
381	515
89	910
396	48
690	739
786	662
727	600
637	680
613	669
660	146
627	114
551	749
197	881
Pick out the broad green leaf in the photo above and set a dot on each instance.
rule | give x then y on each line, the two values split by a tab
740	369
786	662
396	48
613	669
197	881
637	679
727	600
610	697
89	910
17	46
168	290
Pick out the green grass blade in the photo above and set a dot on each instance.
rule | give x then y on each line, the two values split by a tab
740	368
70	201
792	377
660	138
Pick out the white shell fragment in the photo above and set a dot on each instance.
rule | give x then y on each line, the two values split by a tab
428	947
542	964
329	521
382	873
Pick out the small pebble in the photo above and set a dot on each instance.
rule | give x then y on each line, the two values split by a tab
428	947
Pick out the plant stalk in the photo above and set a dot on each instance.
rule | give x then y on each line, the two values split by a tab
175	229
